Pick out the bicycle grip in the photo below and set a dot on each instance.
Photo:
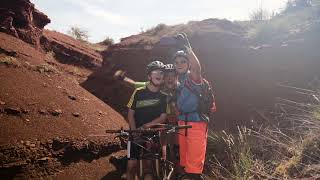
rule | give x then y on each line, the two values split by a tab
112	131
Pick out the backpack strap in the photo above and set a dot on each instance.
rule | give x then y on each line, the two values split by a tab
205	85
187	84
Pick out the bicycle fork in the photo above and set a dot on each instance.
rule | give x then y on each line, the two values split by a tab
141	174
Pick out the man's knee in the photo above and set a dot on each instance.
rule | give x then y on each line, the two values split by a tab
132	166
148	167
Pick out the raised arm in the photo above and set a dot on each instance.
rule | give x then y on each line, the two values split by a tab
195	66
130	83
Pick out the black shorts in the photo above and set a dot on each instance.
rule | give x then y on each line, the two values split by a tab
137	150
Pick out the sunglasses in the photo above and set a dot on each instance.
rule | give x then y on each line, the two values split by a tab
180	62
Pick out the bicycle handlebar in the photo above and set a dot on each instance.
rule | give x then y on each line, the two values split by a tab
152	130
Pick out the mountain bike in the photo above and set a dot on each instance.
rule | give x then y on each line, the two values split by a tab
163	167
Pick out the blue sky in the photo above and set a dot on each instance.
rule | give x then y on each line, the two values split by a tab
122	18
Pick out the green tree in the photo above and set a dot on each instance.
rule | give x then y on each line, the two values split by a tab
107	41
78	33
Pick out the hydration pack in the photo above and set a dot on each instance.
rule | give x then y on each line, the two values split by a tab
207	104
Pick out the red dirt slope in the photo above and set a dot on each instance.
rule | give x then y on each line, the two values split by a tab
48	122
47	119
71	51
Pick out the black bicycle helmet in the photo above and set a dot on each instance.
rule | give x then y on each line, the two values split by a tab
169	68
180	53
155	65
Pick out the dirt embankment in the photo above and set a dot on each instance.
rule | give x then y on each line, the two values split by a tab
22	20
244	73
47	119
48	122
71	51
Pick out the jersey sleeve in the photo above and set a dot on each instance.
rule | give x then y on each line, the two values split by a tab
132	102
139	84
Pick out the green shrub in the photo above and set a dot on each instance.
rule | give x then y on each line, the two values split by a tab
107	41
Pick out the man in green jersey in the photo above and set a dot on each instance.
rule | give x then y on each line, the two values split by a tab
147	107
168	87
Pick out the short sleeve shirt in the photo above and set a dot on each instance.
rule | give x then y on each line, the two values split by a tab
187	101
140	84
147	105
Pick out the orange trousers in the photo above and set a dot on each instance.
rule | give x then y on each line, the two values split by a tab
193	144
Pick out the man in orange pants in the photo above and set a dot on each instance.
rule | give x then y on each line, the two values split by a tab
193	141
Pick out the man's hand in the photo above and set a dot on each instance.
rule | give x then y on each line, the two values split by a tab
119	75
183	41
195	67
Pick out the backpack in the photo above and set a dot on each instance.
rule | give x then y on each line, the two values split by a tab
207	104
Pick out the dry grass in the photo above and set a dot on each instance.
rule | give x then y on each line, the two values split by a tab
155	30
46	68
10	61
230	157
286	148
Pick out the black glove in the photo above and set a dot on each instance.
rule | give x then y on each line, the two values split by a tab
183	41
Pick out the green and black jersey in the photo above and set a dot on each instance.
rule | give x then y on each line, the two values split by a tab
147	105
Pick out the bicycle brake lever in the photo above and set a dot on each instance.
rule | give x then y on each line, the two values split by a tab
171	131
123	133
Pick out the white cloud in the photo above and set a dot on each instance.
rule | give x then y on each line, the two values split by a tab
98	12
122	18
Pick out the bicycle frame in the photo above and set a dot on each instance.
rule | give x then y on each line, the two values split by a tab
167	166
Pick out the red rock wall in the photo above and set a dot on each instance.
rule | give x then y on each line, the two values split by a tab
20	19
